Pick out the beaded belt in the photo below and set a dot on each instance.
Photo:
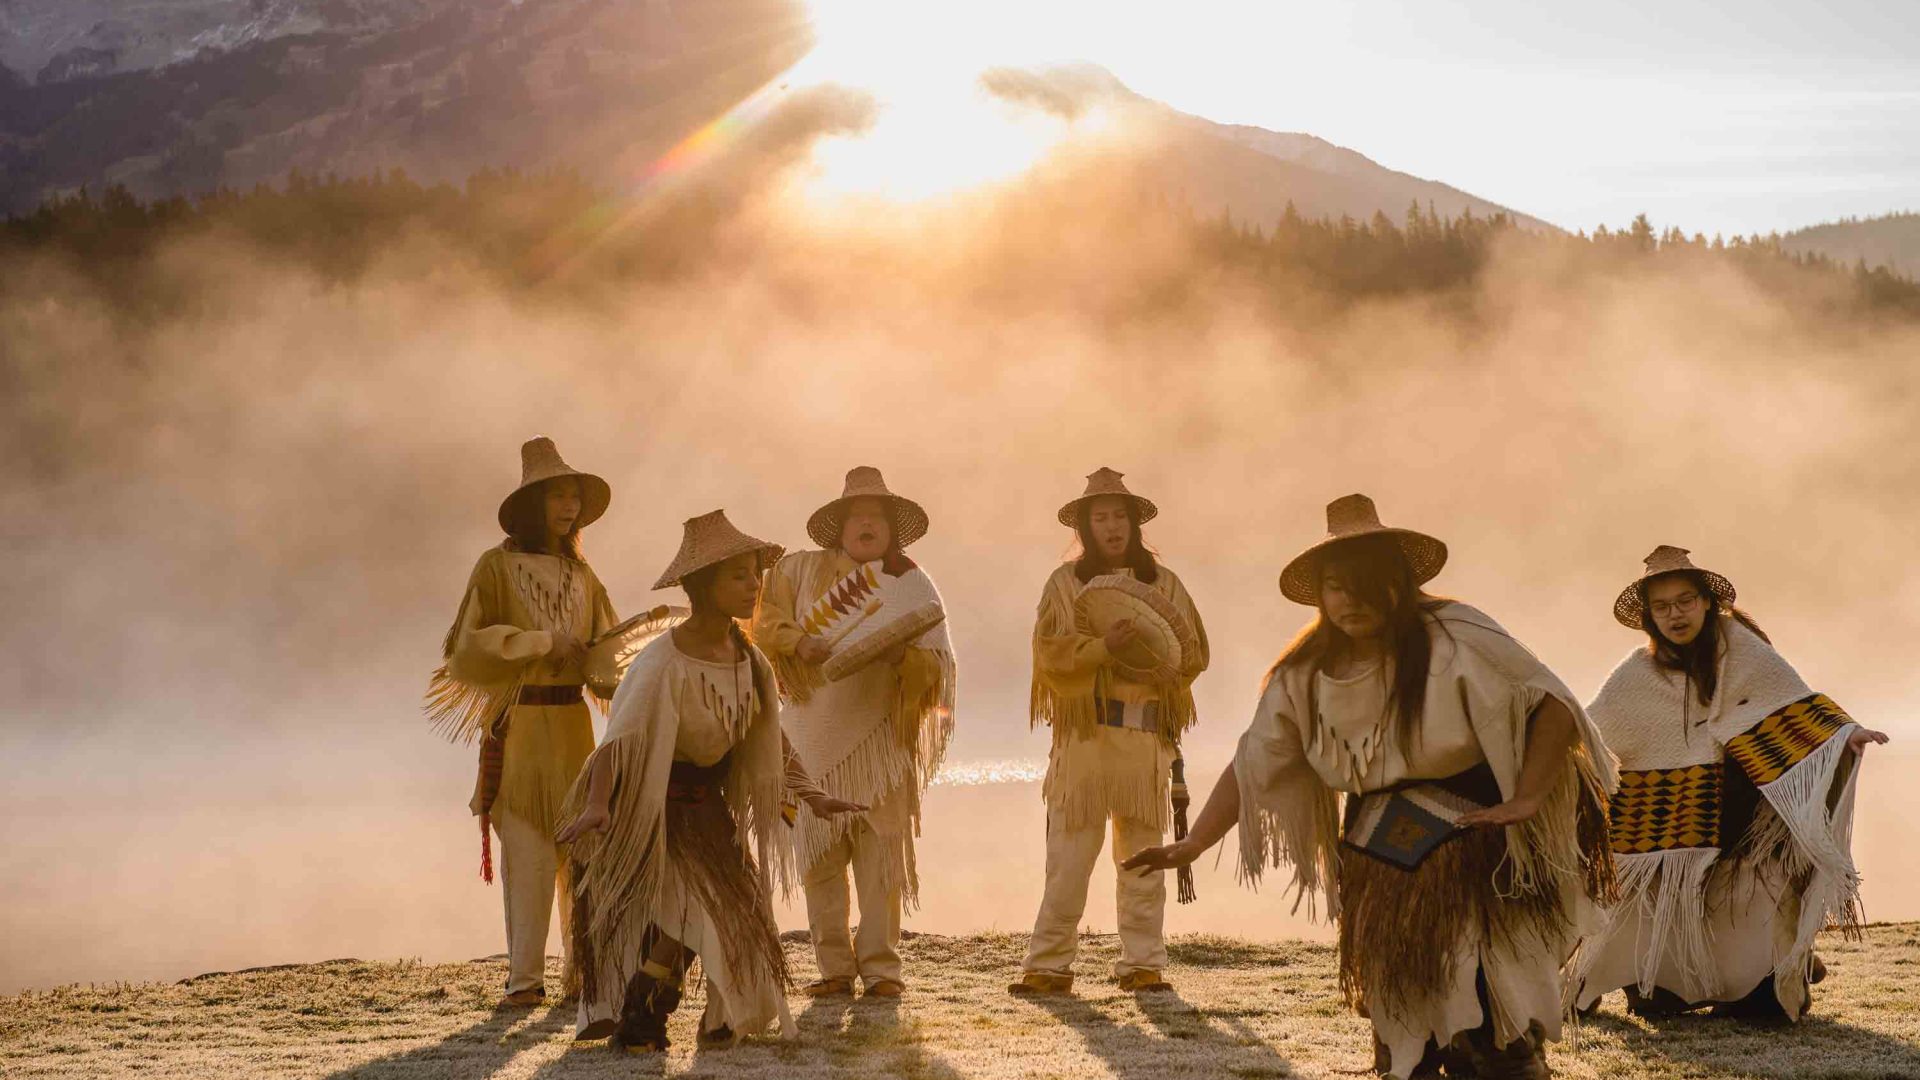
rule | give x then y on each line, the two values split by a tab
1137	715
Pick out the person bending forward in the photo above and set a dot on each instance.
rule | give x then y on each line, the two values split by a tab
1472	847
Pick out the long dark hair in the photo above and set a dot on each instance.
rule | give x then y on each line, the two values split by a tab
1375	571
1699	659
527	525
1139	557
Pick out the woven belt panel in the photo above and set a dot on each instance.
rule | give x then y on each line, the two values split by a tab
1665	809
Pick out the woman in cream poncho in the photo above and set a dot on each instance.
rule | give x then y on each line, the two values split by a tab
1473	839
1114	743
512	677
1731	826
687	782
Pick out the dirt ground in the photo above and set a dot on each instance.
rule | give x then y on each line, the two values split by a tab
1239	1009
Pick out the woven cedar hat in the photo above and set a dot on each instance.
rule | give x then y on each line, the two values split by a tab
1348	518
865	482
1665	559
540	462
1104	481
709	539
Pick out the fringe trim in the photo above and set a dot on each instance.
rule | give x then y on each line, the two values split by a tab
1144	796
796	678
1306	839
1819	851
1670	889
462	712
1075	713
875	769
1566	841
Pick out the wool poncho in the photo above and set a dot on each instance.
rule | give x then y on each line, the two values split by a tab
1731	828
875	737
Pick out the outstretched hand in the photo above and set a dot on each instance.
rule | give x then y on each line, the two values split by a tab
1862	736
828	806
1165	857
592	819
1511	812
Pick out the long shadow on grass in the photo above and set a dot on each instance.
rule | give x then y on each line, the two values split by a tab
1817	1046
1181	1041
478	1050
871	1029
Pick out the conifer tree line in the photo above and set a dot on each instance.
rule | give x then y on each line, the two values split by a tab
522	229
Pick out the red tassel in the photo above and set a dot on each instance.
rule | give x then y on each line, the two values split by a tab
486	849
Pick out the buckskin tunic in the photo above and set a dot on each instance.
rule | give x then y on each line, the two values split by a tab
1429	915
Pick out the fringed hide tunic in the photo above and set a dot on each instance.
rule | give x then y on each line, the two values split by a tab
514	606
875	737
1096	770
1732	828
1503	908
692	850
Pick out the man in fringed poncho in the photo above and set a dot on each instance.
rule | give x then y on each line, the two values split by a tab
875	736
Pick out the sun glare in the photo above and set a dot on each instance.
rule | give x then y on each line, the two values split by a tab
937	130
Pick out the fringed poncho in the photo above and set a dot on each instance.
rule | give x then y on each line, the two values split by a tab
1509	905
875	737
1095	771
709	896
1731	828
514	605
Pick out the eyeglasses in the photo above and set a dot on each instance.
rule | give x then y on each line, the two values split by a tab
1682	604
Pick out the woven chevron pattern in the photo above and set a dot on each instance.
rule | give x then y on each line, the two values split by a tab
1786	737
847	594
1665	809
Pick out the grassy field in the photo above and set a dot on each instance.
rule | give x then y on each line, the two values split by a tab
1240	1009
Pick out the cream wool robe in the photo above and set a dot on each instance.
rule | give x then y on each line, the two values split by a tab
1482	688
875	737
514	606
1101	777
1707	912
672	707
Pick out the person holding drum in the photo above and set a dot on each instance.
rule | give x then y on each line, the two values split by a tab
856	633
1472	851
512	678
1117	696
676	821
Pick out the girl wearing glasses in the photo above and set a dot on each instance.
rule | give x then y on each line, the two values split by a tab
1732	824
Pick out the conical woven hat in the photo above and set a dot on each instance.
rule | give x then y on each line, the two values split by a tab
540	461
1665	559
865	481
1104	481
709	539
1348	518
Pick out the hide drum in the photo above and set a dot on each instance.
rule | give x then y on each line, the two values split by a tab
609	654
1164	634
877	606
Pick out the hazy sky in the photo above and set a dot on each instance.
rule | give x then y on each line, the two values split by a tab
1732	117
